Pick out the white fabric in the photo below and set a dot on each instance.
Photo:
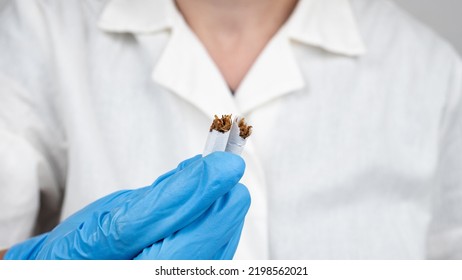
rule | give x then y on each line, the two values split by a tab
356	108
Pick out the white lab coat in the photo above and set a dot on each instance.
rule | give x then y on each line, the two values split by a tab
357	144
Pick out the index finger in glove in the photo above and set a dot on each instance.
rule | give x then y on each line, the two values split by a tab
179	199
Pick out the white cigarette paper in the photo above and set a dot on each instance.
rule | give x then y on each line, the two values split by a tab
235	143
227	136
216	142
218	135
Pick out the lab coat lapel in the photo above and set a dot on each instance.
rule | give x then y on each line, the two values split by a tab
186	69
329	25
274	74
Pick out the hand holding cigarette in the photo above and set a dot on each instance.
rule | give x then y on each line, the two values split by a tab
195	211
202	235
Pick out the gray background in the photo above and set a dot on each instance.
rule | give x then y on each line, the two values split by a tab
444	16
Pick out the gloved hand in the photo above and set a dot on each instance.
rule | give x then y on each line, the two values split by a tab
195	211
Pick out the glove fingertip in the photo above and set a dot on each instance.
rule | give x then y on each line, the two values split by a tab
231	165
241	195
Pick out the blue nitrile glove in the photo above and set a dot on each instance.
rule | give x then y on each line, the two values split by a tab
206	238
201	198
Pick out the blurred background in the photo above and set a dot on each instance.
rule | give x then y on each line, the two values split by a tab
444	16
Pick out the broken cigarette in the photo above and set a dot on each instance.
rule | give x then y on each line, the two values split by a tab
226	135
238	136
218	135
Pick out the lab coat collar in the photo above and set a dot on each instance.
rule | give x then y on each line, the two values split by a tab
329	25
137	16
274	74
186	69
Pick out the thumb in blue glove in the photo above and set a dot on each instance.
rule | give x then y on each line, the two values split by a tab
214	235
123	224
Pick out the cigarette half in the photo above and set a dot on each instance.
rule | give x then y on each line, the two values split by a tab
240	131
218	134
